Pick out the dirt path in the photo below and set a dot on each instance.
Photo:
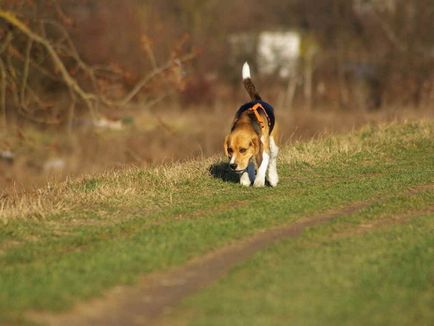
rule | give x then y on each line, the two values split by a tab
156	294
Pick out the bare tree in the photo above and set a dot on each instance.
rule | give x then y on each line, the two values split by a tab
38	60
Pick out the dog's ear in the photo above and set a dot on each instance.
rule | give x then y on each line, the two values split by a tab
257	145
225	145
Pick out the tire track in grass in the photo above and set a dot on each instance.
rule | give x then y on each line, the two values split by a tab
157	293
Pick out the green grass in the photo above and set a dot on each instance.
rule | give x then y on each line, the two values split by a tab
339	274
73	241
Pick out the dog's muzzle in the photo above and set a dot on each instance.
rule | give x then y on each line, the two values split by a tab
233	168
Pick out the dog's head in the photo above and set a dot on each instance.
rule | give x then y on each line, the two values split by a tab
241	145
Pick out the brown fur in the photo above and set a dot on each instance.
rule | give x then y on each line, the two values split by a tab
251	89
244	136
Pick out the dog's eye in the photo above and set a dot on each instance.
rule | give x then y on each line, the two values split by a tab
230	150
243	150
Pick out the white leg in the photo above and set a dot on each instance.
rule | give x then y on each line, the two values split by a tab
260	176
249	176
245	180
273	177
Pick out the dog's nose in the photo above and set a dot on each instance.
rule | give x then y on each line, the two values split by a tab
233	166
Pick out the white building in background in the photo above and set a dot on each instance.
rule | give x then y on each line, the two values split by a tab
278	52
275	52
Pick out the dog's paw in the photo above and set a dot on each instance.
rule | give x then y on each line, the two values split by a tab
273	179
245	183
245	180
259	182
274	182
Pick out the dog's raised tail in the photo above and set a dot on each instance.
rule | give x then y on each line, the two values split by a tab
248	84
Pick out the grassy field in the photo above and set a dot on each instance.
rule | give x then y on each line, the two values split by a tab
366	269
71	242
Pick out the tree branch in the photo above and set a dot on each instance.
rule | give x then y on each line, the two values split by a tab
3	82
71	82
152	75
25	72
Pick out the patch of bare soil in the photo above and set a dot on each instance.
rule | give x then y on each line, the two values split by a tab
156	294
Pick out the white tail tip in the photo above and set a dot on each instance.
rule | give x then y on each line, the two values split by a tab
246	70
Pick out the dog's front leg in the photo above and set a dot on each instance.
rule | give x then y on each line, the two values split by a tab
273	177
248	176
260	175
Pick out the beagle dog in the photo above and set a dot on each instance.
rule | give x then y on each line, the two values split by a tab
251	145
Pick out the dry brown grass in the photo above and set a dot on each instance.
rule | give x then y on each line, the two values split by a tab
156	187
370	138
162	134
